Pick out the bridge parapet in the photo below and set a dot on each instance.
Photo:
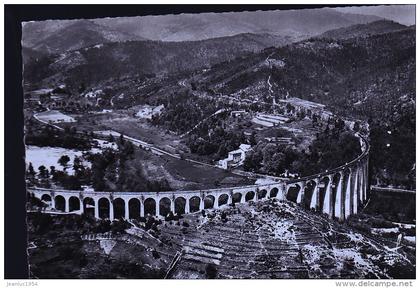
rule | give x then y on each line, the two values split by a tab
190	201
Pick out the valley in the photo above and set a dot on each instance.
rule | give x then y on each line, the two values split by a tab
200	152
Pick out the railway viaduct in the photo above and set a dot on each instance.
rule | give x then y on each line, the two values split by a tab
339	193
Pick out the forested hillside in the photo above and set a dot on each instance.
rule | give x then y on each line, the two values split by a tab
144	57
363	30
372	78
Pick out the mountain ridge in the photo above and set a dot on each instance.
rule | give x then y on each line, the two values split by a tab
155	57
59	36
74	35
364	30
192	27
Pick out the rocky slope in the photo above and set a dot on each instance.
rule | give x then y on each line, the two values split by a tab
268	239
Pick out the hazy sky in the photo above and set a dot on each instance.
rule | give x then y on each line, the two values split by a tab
404	14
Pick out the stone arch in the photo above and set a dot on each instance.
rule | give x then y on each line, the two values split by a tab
46	197
74	203
249	196
262	194
60	203
194	204
223	199
274	192
150	206
209	201
322	186
309	190
292	192
180	203
164	206
119	208
236	197
134	208
104	208
88	206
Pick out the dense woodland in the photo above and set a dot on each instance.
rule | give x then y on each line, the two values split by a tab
183	111
86	65
332	147
393	146
47	136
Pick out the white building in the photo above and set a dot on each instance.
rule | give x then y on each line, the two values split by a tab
269	120
237	113
147	111
235	158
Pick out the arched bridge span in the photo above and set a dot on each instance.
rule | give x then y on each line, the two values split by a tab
338	192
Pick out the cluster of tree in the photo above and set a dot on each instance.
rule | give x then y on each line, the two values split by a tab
111	170
122	172
42	223
211	271
395	207
70	254
217	141
45	176
108	169
393	147
331	148
67	138
116	171
183	111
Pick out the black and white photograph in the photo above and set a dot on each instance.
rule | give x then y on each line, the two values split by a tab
257	143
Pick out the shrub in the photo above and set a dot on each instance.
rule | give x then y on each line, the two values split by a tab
155	254
170	216
381	223
119	227
364	227
211	271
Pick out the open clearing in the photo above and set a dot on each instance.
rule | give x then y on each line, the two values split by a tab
48	156
54	116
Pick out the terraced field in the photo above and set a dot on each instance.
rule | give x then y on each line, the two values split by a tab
275	239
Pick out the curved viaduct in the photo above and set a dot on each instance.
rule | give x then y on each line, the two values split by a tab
338	193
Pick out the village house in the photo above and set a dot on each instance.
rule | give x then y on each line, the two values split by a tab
235	158
237	113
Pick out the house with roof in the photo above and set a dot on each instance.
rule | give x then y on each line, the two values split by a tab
235	158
